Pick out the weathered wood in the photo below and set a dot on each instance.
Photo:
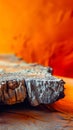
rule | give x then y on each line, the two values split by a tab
19	80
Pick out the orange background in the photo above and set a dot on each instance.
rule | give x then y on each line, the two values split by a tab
39	31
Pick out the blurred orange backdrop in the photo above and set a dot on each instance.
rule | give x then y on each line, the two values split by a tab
39	31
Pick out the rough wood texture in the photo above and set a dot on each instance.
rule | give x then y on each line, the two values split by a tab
19	80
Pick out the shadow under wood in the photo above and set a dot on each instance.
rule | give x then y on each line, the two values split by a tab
24	110
25	106
24	117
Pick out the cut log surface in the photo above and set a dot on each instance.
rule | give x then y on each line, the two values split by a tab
20	81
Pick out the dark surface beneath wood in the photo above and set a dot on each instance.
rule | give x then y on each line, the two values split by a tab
19	117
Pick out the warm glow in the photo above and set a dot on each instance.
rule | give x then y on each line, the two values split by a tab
66	105
41	31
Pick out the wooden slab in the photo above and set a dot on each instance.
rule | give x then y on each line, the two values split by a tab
20	80
24	117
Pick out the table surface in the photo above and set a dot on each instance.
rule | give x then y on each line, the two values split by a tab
19	117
